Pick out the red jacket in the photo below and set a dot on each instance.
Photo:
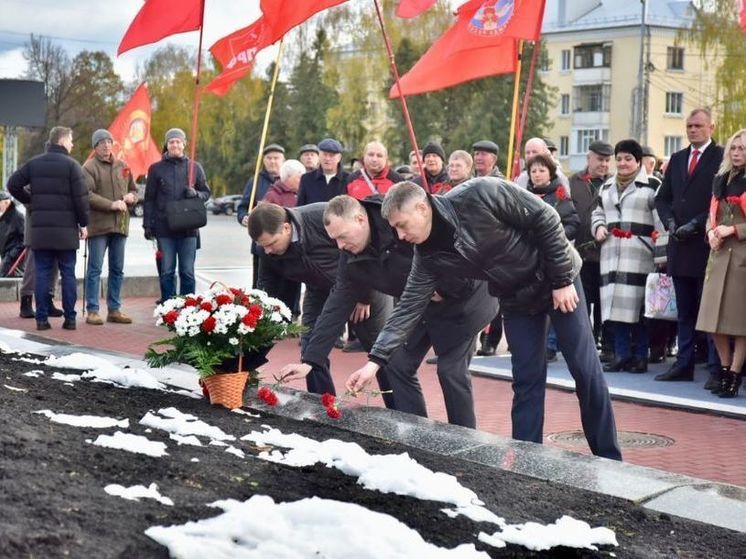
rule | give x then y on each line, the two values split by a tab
281	195
358	187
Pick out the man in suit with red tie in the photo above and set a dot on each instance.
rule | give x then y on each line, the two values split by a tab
682	203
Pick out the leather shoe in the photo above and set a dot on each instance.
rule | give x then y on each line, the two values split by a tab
487	350
43	325
618	365
69	324
675	374
118	317
54	311
637	365
606	356
94	318
657	356
713	381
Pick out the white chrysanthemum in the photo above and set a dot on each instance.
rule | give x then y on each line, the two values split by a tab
233	341
243	329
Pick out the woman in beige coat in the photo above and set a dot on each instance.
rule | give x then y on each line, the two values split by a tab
721	309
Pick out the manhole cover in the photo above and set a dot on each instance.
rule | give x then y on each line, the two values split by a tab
627	439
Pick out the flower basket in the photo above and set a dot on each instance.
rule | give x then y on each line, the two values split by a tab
225	389
224	332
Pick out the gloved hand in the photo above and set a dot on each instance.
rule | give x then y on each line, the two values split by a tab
190	192
149	234
671	226
687	231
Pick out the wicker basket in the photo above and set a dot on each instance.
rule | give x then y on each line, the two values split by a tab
225	389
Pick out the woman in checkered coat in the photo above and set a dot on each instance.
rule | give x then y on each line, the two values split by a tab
624	222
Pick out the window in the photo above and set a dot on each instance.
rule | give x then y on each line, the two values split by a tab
672	145
675	58
593	56
566	54
592	98
565	104
586	136
674	103
564	150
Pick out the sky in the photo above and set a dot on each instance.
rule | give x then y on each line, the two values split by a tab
78	25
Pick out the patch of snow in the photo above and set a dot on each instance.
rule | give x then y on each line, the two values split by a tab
95	421
183	424
65	378
77	360
14	388
34	373
190	439
137	492
314	527
565	531
194	460
475	513
217	443
5	348
126	377
132	443
244	412
27	360
235	451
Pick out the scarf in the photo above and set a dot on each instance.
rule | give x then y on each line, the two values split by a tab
623	181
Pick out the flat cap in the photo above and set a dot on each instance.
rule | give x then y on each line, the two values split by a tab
601	148
647	151
308	147
269	148
485	145
330	145
551	146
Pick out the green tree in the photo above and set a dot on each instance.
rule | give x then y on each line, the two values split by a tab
721	41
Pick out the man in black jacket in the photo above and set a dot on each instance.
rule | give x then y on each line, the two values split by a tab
490	229
294	245
457	309
328	180
12	224
59	197
682	203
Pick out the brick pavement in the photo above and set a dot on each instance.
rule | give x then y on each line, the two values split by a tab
705	445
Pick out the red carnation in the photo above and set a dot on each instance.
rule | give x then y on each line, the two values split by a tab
561	193
158	255
170	317
206	306
223	299
190	302
267	396
249	320
126	172
735	200
236	292
208	325
245	301
327	399
334	412
655	236
255	311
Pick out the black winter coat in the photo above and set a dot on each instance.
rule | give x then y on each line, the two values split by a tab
167	181
564	206
12	224
58	198
313	258
503	234
313	187
384	266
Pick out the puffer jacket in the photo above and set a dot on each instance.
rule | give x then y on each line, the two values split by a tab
107	181
167	181
509	236
58	197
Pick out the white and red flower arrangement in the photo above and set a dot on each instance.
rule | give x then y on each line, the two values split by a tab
220	325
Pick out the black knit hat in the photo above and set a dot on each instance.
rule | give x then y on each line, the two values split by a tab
435	148
629	146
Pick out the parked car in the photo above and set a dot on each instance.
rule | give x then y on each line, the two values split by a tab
227	205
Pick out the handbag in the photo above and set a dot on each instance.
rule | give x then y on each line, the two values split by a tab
186	214
660	297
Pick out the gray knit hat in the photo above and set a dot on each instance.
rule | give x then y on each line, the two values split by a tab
99	135
175	133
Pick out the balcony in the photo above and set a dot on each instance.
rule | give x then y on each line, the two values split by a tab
590	119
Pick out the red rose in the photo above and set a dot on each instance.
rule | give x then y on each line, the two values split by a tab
223	299
191	302
208	325
334	412
561	193
327	399
170	317
206	306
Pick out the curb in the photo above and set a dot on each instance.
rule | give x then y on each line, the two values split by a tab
132	286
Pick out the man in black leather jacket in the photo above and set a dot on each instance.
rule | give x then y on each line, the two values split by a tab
490	229
373	258
294	245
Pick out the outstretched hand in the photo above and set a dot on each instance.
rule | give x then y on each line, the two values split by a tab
293	371
360	379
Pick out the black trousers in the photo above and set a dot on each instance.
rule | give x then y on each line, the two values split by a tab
688	296
527	337
319	380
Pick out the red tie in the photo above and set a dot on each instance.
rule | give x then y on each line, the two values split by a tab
693	162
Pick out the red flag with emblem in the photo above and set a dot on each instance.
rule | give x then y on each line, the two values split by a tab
413	8
158	19
131	132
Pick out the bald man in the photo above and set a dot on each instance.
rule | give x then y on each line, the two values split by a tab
375	177
533	147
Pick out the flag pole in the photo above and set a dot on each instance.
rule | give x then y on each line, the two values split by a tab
514	111
197	91
263	138
402	99
526	98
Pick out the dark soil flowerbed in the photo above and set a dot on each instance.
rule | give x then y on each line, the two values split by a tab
53	503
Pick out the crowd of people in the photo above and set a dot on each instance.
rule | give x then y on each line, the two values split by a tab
445	259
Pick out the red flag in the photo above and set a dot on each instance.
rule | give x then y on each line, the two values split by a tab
413	8
160	18
743	15
283	15
131	131
520	19
236	54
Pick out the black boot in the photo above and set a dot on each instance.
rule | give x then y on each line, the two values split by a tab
27	310
618	365
722	381
713	382
54	311
731	385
